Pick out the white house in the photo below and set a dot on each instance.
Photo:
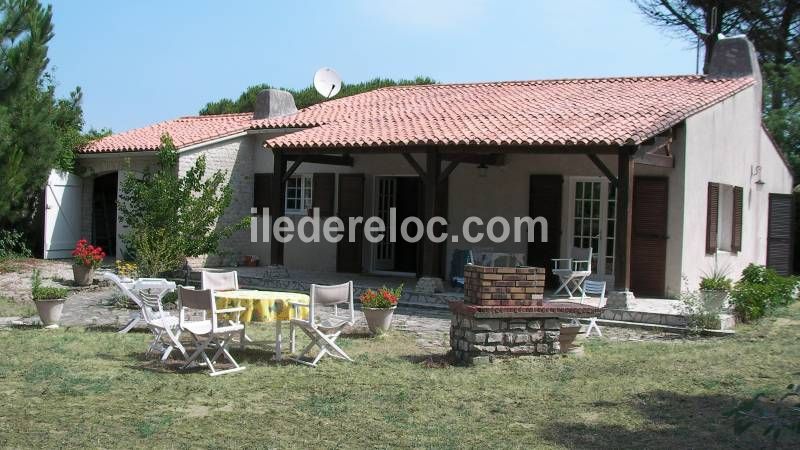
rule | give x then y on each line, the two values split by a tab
663	177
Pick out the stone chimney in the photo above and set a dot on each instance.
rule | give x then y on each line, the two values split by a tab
734	57
274	103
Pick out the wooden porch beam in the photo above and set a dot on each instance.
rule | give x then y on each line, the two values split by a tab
603	168
277	207
447	171
494	159
332	160
415	165
430	188
654	159
293	168
624	219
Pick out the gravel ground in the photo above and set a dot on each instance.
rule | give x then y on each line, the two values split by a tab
96	306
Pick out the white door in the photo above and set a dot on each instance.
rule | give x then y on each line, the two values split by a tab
62	215
592	221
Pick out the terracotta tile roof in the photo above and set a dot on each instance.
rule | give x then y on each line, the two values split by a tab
608	111
184	131
602	111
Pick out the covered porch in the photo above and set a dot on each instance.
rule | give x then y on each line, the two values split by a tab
585	192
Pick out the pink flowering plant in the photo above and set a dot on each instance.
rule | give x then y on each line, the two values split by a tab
383	298
86	254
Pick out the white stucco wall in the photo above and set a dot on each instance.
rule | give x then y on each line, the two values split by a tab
724	144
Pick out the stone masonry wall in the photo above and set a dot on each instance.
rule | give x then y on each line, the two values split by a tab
236	158
475	340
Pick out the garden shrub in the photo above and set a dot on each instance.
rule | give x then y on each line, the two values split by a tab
13	244
759	290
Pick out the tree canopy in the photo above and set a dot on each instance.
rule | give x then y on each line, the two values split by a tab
38	131
774	28
303	97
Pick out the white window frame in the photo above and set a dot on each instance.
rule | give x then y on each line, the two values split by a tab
598	266
306	195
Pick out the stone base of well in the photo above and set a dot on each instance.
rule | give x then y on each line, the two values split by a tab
481	334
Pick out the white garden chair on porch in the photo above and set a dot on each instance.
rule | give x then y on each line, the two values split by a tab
594	288
573	271
208	333
323	333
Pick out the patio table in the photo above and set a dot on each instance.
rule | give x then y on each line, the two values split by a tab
265	306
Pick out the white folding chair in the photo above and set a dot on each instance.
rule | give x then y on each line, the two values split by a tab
573	271
594	288
221	282
324	332
207	333
166	334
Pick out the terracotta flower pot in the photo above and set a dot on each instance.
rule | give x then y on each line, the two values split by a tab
379	320
83	275
50	311
567	336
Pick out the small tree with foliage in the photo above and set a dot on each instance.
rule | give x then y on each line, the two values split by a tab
173	217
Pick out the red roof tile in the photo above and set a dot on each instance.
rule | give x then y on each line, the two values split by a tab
609	111
184	131
603	111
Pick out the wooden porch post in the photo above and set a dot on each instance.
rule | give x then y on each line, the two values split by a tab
430	185
622	237
277	207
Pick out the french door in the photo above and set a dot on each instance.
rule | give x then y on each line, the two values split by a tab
592	216
385	200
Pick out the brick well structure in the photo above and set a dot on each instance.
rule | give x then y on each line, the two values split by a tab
504	314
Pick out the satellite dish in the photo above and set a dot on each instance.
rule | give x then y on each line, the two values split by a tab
327	82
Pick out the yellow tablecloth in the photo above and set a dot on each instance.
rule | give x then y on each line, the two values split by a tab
263	306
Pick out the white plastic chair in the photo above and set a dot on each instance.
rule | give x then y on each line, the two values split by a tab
166	334
594	288
221	282
323	333
207	333
573	271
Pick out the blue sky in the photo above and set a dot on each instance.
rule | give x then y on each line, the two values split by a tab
141	62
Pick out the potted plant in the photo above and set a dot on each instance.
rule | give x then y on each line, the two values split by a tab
379	306
715	291
86	258
49	300
568	334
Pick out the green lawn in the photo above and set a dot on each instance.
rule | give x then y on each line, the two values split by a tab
13	308
76	387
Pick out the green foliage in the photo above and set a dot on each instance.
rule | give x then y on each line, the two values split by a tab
172	217
759	290
303	98
715	284
776	416
39	292
700	313
38	131
12	245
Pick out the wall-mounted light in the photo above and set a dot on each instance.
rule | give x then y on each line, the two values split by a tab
483	170
755	172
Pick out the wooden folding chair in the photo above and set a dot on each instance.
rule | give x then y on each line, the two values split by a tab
323	333
207	333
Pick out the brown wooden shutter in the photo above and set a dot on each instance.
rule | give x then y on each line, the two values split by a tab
712	218
736	234
323	193
780	233
262	188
